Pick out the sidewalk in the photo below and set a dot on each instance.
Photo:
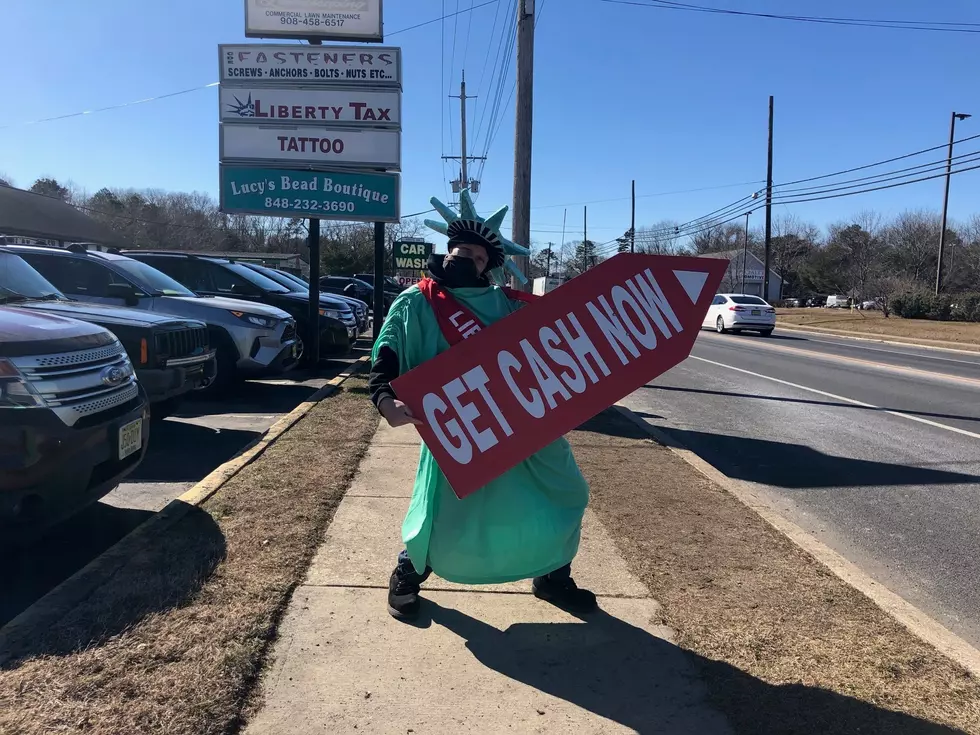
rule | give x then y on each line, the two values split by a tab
487	659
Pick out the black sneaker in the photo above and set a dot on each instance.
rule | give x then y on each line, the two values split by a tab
403	598
564	594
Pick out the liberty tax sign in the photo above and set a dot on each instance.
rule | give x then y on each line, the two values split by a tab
510	389
335	20
355	107
315	145
247	63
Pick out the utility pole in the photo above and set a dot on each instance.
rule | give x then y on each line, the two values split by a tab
561	249
949	170
586	248
547	268
765	271
745	248
521	211
633	218
464	181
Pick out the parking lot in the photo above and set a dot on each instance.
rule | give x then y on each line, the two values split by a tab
183	449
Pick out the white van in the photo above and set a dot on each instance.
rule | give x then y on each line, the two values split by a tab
837	302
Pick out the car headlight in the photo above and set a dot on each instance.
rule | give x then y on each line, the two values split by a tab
332	313
266	322
15	390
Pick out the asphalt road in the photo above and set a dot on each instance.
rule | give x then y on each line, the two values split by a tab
873	448
183	450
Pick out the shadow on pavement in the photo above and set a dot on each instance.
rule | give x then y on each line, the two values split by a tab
624	674
150	573
183	452
29	571
810	402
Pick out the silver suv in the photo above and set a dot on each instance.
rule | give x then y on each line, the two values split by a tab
251	339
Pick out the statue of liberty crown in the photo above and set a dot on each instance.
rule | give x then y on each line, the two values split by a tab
488	229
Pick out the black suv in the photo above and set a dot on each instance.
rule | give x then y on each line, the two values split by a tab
171	355
213	276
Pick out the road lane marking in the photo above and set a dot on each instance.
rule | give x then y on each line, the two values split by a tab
859	361
882	339
972	363
852	401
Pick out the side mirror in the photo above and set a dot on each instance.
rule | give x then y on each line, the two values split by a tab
123	291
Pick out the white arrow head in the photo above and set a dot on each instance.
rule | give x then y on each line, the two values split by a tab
693	283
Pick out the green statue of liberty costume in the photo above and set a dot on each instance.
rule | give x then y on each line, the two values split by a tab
525	524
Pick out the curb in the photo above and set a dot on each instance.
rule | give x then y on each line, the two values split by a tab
53	606
910	617
925	344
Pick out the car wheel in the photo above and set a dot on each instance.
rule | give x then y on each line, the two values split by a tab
720	326
226	371
766	333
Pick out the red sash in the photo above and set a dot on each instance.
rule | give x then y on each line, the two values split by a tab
456	321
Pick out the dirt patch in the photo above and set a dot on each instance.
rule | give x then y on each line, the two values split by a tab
964	335
175	640
786	647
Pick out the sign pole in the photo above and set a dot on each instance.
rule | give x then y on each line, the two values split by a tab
521	212
379	279
314	242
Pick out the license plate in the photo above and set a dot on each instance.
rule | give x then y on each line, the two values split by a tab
130	438
756	312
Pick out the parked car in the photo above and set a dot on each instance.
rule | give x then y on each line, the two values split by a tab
791	303
737	312
361	308
838	302
74	421
345	308
391	284
172	356
348	286
251	339
220	277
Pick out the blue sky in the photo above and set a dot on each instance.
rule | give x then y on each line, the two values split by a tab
675	100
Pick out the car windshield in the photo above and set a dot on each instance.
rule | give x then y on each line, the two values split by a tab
256	279
279	277
18	278
150	279
748	300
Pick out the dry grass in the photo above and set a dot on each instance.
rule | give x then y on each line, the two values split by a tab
786	647
964	335
174	642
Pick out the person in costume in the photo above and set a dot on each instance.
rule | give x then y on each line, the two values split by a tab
526	523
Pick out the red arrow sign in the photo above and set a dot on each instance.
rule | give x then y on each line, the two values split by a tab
511	389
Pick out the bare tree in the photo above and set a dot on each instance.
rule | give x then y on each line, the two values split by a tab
914	238
658	239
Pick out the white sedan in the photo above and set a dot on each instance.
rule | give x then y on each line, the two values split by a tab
733	312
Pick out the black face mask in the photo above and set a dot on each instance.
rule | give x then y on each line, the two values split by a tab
461	272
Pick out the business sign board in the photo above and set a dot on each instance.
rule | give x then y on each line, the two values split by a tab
329	20
314	145
248	63
512	388
411	255
346	195
345	106
408	280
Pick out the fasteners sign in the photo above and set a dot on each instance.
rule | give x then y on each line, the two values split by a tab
335	20
319	146
374	65
512	388
348	106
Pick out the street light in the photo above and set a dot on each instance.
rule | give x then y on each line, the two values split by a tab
745	247
942	228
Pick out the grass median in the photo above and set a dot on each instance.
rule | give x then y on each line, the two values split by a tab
785	646
962	335
174	641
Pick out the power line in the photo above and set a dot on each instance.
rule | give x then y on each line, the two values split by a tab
936	26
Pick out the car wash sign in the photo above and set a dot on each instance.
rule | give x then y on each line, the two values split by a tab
411	255
510	389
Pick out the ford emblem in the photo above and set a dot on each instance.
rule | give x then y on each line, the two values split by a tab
114	375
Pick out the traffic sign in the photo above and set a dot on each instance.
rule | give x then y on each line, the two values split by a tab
516	386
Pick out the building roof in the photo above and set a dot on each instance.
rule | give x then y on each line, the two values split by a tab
736	255
35	215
